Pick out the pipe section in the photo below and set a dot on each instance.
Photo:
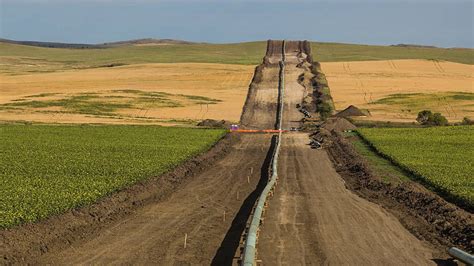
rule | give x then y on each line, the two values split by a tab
250	247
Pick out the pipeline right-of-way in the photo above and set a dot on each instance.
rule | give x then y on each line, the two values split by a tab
250	246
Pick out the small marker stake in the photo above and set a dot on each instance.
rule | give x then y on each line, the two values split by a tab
224	216
248	179
185	239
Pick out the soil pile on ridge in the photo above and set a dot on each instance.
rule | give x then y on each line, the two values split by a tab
211	123
338	124
351	111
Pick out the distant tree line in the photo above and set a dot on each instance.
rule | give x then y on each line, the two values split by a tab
428	118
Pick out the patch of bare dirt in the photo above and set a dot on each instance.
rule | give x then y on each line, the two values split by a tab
211	123
338	124
424	213
313	219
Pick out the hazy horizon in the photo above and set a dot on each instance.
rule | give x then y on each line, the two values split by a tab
442	23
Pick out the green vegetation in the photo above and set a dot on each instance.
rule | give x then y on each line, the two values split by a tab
20	58
105	104
426	117
324	102
413	103
383	168
334	52
417	100
441	157
324	109
467	121
46	170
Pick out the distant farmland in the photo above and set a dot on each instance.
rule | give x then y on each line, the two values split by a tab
396	90
13	57
165	94
219	73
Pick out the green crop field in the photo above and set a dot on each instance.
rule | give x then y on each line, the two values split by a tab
13	57
47	169
442	157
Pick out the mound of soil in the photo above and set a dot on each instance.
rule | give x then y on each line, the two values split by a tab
211	123
425	214
338	124
351	111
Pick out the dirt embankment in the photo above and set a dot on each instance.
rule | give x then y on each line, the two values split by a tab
424	213
274	53
259	111
318	100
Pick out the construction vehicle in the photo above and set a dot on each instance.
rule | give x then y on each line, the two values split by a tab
315	144
303	110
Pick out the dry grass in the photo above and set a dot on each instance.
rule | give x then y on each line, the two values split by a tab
227	84
395	90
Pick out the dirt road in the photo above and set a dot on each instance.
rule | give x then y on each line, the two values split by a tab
293	94
155	234
313	219
261	105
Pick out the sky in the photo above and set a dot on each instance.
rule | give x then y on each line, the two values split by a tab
443	23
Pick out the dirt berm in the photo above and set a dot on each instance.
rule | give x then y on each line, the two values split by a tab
424	213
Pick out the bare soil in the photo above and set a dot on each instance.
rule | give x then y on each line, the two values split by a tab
314	220
424	213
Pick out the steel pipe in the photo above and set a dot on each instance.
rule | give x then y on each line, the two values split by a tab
461	255
250	246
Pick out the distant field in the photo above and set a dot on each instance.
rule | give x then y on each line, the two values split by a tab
49	169
442	156
167	94
15	59
396	90
211	81
336	52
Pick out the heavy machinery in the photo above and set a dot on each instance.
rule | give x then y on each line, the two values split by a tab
303	110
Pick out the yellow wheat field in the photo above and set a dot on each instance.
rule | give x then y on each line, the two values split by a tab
226	83
433	85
